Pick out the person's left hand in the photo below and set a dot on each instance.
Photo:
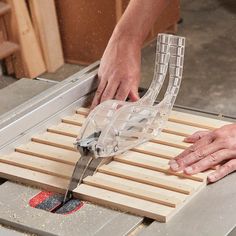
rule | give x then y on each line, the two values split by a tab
208	150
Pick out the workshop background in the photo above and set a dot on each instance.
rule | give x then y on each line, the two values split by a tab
44	42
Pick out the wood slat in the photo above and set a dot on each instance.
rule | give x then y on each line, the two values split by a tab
14	65
197	121
147	187
76	119
147	148
50	152
131	191
56	140
146	179
184	118
33	65
183	124
38	164
83	111
171	140
4	8
180	129
156	165
7	48
175	128
135	154
26	176
45	23
67	142
158	150
65	129
123	202
178	180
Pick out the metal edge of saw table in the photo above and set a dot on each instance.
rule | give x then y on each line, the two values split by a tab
36	116
61	86
47	103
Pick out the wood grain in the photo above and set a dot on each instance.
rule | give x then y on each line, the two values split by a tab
178	180
197	121
33	65
123	202
76	119
157	166
38	164
183	118
55	140
49	152
65	129
180	129
147	179
171	140
33	178
7	48
132	191
4	8
181	196
45	23
159	150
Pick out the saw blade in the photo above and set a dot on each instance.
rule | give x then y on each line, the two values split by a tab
80	169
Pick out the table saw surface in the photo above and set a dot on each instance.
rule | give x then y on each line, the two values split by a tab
212	212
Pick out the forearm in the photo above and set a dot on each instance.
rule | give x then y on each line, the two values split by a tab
138	19
119	72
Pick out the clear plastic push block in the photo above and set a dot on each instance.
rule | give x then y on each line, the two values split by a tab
114	127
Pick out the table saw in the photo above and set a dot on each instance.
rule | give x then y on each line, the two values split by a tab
212	212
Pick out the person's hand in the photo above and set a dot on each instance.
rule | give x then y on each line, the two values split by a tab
208	150
119	72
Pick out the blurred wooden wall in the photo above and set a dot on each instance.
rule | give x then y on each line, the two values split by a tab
86	26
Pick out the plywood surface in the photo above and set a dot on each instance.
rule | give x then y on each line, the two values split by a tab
139	181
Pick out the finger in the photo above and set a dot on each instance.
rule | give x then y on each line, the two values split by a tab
224	170
133	95
210	161
195	156
110	90
196	136
98	94
206	140
123	91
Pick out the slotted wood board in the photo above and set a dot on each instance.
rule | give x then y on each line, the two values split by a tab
138	181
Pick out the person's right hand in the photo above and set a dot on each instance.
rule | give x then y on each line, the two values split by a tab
119	72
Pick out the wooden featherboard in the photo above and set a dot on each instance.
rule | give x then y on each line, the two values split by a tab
139	181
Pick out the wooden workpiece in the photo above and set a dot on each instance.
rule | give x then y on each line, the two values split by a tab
23	31
138	181
45	23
